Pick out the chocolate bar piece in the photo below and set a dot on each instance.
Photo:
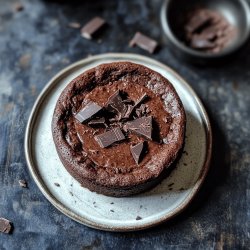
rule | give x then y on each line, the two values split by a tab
23	183
92	27
98	122
200	43
198	21
137	151
88	112
143	42
116	105
108	138
141	126
132	108
5	226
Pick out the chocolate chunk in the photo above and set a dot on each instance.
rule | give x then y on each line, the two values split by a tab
57	184
143	42
137	103
108	138
141	126
98	122
23	183
137	151
142	110
74	25
88	112
142	99
200	43
116	105
198	21
130	109
5	226
138	217
92	27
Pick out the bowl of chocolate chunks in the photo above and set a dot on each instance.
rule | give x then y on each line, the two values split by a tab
206	29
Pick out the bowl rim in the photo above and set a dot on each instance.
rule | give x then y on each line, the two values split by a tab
184	48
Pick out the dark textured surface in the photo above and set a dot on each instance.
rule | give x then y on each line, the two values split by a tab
34	45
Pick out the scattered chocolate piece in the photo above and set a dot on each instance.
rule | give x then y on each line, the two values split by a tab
74	25
141	126
57	184
137	151
171	184
138	217
111	210
116	105
23	183
143	42
88	112
110	137
94	25
111	203
100	121
5	226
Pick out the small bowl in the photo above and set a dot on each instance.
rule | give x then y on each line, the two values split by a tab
237	12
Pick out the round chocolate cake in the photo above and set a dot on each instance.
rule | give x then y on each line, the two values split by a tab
118	127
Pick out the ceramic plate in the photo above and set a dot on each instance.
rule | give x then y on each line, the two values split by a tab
107	213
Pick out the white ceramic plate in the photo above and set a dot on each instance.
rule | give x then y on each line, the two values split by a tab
107	213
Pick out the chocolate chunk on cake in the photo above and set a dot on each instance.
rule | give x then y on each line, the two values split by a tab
105	124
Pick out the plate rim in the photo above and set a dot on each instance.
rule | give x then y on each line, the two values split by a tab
44	189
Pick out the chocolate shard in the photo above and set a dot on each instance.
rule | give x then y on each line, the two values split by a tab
5	226
137	151
116	105
130	109
23	183
200	43
92	27
143	42
98	122
108	138
198	21
88	112
137	103
142	99
141	126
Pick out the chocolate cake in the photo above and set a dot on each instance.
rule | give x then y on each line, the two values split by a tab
118	127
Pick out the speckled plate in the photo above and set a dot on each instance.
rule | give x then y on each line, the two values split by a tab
107	213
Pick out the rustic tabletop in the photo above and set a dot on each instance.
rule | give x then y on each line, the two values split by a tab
35	43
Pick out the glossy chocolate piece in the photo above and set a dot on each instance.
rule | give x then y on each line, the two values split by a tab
94	25
141	126
137	151
108	138
90	110
144	42
5	226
